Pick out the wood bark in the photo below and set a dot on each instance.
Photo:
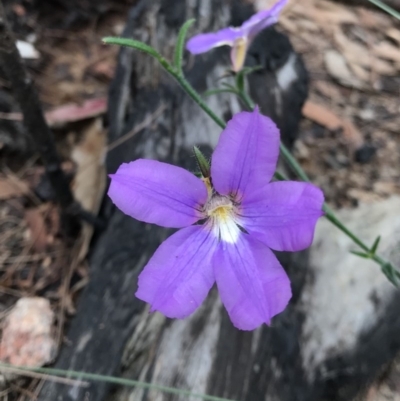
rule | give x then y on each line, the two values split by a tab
113	333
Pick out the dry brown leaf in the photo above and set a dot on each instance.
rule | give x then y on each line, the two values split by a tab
352	135
363	196
372	19
337	67
325	13
360	72
75	112
387	51
386	188
37	228
383	67
90	178
327	89
352	51
288	24
394	34
11	187
323	116
360	59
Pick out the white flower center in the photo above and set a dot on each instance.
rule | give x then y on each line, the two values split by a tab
223	218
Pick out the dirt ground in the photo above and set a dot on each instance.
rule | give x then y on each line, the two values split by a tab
349	142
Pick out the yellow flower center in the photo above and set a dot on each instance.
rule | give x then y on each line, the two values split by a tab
223	218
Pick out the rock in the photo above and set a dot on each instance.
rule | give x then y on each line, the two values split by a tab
27	335
351	325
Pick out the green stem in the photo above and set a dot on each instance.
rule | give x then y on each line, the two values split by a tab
292	162
71	374
188	88
331	216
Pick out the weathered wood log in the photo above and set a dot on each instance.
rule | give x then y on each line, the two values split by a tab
113	333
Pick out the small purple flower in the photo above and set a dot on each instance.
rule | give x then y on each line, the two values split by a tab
229	223
238	38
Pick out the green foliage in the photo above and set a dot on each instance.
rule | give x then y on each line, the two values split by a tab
180	45
202	162
217	91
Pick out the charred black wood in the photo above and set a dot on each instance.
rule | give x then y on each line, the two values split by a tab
108	313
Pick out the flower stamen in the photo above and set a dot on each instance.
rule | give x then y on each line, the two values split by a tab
222	220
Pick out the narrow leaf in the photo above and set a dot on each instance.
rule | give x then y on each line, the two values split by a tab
229	86
280	177
180	44
135	44
375	245
361	254
240	81
391	273
202	162
211	92
249	70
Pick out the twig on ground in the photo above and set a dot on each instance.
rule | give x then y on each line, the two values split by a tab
38	375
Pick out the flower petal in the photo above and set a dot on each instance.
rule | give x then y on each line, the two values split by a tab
179	276
206	41
252	283
263	19
246	155
158	193
283	215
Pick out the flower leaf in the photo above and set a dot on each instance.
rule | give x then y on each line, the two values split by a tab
361	254
240	81
136	44
216	91
249	70
375	245
240	76
229	86
391	273
180	44
202	162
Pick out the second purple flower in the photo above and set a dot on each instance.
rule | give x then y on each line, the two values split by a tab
229	224
239	38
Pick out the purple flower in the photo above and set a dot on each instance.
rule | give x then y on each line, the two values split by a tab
238	38
229	223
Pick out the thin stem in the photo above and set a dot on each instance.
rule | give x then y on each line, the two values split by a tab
293	163
111	379
188	88
386	8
